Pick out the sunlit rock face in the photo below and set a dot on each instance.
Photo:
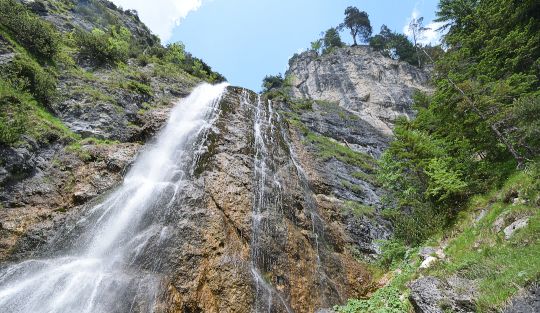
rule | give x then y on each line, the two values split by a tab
263	237
378	89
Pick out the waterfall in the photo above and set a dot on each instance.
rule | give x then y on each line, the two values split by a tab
111	263
265	206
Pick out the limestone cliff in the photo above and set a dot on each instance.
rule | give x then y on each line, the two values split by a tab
282	209
374	87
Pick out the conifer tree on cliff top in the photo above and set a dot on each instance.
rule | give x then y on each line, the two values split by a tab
358	23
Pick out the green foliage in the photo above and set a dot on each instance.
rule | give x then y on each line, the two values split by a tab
384	300
331	40
176	53
392	253
20	115
481	121
301	105
394	45
525	113
26	74
272	82
198	68
358	23
316	45
329	148
478	250
358	209
140	88
104	47
13	114
36	35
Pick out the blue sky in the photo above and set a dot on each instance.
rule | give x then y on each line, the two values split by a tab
247	39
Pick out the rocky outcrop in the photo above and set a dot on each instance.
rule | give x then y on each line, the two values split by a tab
434	295
267	242
376	88
527	301
320	129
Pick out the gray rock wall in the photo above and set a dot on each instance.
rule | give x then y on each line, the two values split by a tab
376	88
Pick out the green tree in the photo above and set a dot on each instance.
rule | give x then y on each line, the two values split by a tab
331	40
176	53
394	45
358	23
316	45
272	82
480	124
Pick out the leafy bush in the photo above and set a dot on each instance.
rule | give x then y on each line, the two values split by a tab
392	252
384	300
26	74
38	36
272	82
104	47
175	53
140	88
331	40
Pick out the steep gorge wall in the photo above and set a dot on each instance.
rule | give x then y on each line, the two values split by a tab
374	87
261	238
281	206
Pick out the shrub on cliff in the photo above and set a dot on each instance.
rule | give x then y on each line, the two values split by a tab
393	45
26	74
331	40
104	47
272	82
36	35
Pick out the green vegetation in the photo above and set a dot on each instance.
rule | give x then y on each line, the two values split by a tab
26	74
329	148
358	209
28	81
468	137
391	298
39	37
358	23
104	47
272	82
393	45
384	300
468	166
479	250
21	115
331	40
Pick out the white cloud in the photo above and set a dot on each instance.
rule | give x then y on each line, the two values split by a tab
429	36
161	16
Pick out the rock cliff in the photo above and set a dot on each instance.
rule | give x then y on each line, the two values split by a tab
282	209
374	87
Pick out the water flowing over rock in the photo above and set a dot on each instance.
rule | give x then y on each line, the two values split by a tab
220	214
376	88
107	259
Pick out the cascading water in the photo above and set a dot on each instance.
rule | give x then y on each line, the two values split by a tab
110	262
265	206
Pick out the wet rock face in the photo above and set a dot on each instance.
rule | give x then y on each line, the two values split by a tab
350	183
262	238
40	184
378	89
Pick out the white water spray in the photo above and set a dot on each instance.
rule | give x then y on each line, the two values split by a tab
111	266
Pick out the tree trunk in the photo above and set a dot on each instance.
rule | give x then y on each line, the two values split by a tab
354	38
